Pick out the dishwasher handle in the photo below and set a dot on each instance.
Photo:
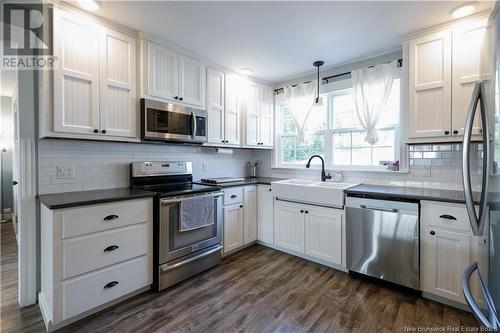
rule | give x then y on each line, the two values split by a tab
390	210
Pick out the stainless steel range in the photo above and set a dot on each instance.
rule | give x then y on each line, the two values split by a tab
180	252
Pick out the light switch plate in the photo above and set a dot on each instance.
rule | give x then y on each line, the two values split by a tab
66	172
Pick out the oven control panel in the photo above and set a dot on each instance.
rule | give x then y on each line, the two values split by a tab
148	168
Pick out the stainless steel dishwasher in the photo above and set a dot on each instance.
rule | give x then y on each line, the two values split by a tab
383	239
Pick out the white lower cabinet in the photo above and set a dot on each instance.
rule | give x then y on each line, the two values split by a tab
447	247
311	231
240	217
265	215
233	227
93	256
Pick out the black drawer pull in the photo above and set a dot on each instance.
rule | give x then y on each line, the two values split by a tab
111	217
110	284
307	212
448	217
301	210
432	233
234	196
111	248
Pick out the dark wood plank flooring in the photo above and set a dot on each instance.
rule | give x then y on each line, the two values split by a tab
263	290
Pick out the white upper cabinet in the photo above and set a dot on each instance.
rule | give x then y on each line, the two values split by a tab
95	88
444	67
191	81
76	83
259	116
430	85
215	106
174	77
118	98
163	72
471	55
232	118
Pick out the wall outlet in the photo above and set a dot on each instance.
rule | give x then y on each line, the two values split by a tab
66	172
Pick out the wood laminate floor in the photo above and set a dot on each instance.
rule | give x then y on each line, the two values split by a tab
256	290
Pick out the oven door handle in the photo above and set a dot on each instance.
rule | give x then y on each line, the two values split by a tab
193	124
175	200
167	267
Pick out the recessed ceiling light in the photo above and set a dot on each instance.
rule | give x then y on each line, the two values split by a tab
89	5
463	10
246	71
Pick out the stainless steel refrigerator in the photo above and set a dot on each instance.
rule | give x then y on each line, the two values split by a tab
484	298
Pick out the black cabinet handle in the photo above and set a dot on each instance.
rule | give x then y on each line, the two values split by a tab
110	284
241	206
455	132
307	212
180	99
111	217
269	190
96	130
234	196
103	131
432	232
111	248
446	132
176	97
14	183
301	210
448	217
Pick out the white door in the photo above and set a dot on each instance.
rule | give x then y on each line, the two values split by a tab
233	227
191	82
232	114
469	57
445	255
250	214
324	233
266	117
430	85
76	82
289	226
163	72
119	114
16	164
215	106
252	115
265	214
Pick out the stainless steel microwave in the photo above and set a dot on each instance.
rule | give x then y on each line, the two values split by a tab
163	121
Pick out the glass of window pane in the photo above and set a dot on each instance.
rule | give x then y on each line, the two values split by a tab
314	145
317	118
288	149
385	138
341	156
287	124
361	156
358	140
341	140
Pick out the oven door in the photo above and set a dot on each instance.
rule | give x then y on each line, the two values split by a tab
171	122
174	244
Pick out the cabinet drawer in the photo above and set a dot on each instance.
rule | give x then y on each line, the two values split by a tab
445	215
85	220
91	252
89	291
233	196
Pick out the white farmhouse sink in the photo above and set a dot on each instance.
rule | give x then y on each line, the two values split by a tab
309	191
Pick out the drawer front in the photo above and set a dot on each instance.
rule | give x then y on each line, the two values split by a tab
88	219
90	252
89	291
445	215
233	196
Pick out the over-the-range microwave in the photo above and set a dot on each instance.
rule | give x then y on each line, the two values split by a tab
163	121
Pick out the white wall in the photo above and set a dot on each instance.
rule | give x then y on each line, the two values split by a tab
100	165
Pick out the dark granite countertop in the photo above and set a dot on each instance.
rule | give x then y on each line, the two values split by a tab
247	181
409	193
83	198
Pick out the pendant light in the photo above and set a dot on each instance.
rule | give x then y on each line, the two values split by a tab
318	100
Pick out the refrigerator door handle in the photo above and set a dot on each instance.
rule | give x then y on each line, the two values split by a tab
477	220
492	323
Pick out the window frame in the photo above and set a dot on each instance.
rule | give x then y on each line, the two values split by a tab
338	86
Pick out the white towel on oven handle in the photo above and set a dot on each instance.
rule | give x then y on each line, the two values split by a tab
196	212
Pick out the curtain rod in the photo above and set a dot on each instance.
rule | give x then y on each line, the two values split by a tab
327	78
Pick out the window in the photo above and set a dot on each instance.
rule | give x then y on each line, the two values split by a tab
333	131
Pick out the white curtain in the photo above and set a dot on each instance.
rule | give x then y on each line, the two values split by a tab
371	89
300	104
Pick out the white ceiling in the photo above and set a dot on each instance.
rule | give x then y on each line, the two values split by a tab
278	40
